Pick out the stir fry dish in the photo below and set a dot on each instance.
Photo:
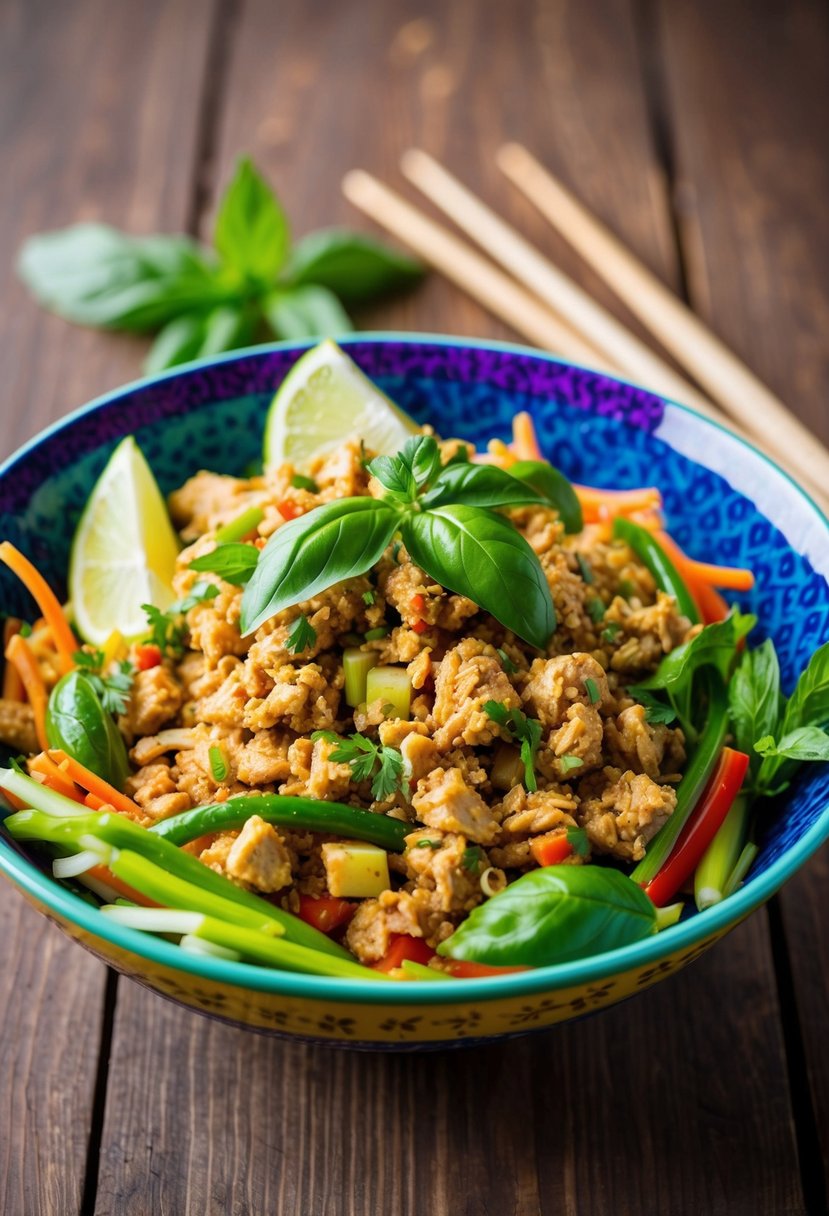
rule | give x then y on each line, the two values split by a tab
420	712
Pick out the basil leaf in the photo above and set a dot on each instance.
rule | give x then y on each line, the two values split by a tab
355	267
338	540
554	915
234	562
480	555
554	488
306	312
754	701
655	710
95	275
394	477
421	455
178	342
809	703
77	722
479	485
805	743
251	235
714	646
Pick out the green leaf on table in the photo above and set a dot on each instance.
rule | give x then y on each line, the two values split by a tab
355	267
338	540
95	275
553	915
306	312
251	236
479	554
178	342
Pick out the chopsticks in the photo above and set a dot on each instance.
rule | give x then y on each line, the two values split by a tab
454	258
680	331
565	319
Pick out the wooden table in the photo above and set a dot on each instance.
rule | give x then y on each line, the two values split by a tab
697	130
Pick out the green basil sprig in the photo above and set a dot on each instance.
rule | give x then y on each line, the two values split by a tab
554	915
446	519
77	722
252	285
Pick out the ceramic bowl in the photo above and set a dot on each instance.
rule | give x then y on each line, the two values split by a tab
723	500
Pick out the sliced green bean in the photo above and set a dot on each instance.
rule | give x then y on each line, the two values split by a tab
653	556
304	814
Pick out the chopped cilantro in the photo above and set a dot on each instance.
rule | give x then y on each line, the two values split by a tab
368	598
25	629
656	710
303	635
168	629
570	762
473	858
382	765
611	631
577	840
592	690
218	764
428	844
299	482
114	687
506	662
626	588
586	572
374	635
524	730
595	609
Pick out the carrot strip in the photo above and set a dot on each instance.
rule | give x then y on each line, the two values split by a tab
23	661
47	601
96	785
13	689
105	875
729	577
712	606
54	776
524	439
14	802
598	504
94	804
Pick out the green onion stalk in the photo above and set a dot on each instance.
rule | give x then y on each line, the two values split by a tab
727	859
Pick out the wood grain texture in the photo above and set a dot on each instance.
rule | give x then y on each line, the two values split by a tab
98	118
646	1108
749	97
661	1105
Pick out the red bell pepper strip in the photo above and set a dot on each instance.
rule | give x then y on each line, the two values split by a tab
325	913
403	946
463	970
714	804
147	656
551	849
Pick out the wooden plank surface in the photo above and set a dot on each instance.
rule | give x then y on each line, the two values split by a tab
747	86
615	1114
98	120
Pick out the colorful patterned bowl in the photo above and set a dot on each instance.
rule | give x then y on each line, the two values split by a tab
723	500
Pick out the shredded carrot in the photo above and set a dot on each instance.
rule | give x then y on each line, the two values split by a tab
524	439
94	804
46	599
712	606
13	689
105	875
16	803
730	577
23	661
598	505
96	785
55	777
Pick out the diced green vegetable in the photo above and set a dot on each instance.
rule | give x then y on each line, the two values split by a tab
721	856
241	526
354	869
393	687
357	664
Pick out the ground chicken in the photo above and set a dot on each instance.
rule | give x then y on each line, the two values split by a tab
633	742
578	738
17	726
155	698
627	814
445	801
469	675
259	857
556	684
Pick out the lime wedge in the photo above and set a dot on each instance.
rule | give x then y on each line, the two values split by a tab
124	550
324	400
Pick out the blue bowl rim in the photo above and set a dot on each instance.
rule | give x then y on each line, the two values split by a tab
684	936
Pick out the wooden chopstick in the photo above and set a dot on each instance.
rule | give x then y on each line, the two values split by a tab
679	330
455	259
570	301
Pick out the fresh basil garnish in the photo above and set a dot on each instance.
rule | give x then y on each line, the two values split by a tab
338	540
554	488
479	485
234	562
476	553
356	268
77	722
554	915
